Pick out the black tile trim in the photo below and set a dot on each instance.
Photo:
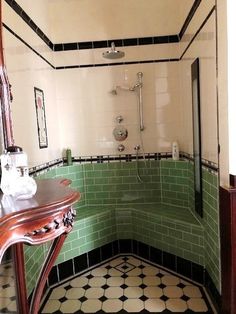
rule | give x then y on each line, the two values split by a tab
212	291
210	165
198	31
15	6
37	170
183	267
25	43
103	43
106	43
114	64
189	18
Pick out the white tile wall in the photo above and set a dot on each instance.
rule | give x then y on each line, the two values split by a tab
86	107
26	71
203	47
89	109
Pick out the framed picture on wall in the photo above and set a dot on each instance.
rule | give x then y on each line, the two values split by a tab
41	117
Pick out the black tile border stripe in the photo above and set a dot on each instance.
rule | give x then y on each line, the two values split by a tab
85	65
189	18
18	9
198	31
174	263
103	43
38	170
25	43
114	64
69	45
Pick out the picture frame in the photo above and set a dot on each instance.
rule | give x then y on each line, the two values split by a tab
41	117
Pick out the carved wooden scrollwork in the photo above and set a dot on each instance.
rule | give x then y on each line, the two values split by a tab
68	219
55	224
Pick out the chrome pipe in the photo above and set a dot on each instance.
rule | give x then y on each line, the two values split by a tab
140	98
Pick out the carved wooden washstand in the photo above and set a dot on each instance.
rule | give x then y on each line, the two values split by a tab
47	216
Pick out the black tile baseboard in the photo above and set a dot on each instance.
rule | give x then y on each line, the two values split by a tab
66	270
177	264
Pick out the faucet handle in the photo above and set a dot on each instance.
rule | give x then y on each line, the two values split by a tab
137	147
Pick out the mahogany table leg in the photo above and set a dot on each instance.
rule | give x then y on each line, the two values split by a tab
47	266
21	291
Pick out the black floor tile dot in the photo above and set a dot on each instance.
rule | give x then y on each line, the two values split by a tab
103	299
105	286
13	298
86	287
90	276
141	276
159	275
83	299
125	258
68	287
143	298
123	298
164	298
142	286
141	266
124	276
64	299
181	285
162	286
108	267
107	276
124	286
185	298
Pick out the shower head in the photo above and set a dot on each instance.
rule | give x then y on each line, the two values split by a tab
113	53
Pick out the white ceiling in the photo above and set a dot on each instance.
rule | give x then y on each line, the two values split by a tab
89	20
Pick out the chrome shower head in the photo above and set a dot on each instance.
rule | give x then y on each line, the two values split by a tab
113	53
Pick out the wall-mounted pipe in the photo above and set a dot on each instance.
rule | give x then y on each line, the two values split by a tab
140	99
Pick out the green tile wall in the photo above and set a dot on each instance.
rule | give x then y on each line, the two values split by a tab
124	223
175	182
117	183
211	225
89	233
115	205
34	258
183	239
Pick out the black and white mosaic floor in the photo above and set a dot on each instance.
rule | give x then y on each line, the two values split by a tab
125	284
7	289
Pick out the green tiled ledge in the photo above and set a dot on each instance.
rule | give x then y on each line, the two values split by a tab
96	226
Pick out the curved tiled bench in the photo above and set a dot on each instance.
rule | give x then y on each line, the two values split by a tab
143	218
158	225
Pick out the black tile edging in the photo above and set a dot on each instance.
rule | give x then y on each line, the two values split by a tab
198	31
37	170
27	45
104	43
189	18
174	263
